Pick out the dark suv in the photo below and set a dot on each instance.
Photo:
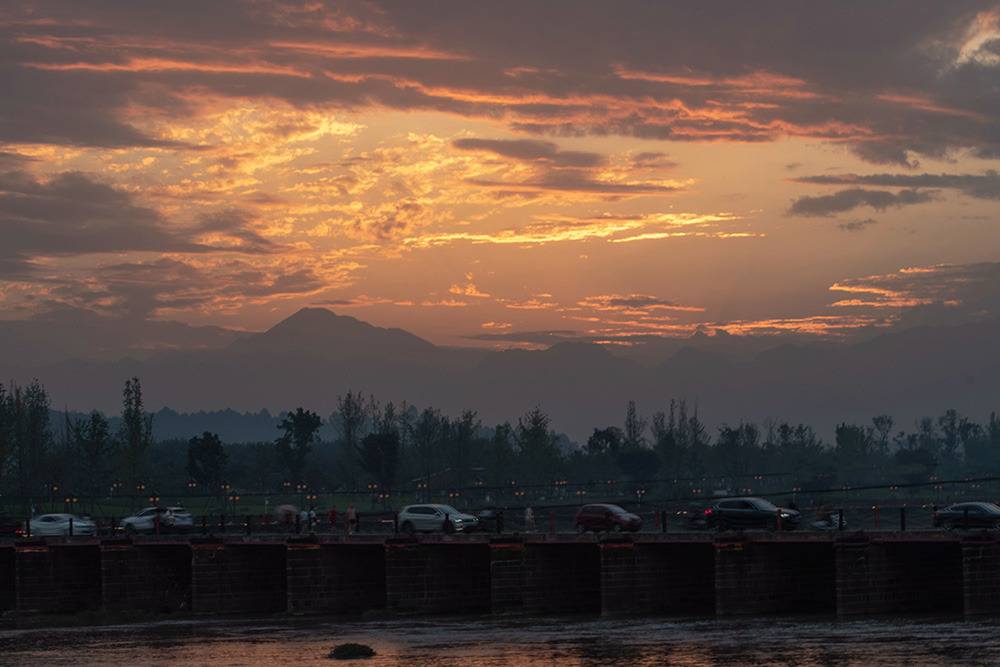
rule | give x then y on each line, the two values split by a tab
745	513
602	516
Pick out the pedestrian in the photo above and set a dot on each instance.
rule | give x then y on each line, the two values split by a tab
352	519
303	521
332	518
312	518
529	519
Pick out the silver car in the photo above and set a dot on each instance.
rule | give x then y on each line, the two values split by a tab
433	517
54	525
171	519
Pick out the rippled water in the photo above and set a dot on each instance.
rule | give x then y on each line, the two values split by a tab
524	642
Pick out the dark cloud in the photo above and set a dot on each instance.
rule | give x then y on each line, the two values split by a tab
10	161
848	200
984	186
140	290
882	152
652	160
69	107
858	225
71	214
658	70
236	224
579	182
561	171
532	151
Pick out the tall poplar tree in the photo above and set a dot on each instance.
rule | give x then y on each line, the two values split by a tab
135	433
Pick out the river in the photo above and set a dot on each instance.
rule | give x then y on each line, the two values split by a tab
570	641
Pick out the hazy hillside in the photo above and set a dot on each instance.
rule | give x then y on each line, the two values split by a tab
311	358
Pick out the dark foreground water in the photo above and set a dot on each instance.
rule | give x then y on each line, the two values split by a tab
552	642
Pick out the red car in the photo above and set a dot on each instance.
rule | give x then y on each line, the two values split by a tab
603	516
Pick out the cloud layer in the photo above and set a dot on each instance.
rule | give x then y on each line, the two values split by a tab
607	171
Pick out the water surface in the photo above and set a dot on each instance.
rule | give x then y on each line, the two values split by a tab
525	642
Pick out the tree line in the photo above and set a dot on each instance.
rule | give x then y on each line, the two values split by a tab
87	459
388	449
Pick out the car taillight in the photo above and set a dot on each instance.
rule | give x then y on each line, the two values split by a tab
708	512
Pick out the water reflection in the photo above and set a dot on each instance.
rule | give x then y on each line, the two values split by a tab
525	642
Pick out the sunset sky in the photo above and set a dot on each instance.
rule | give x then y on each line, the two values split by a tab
501	173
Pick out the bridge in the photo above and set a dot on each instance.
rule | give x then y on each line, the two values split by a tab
645	573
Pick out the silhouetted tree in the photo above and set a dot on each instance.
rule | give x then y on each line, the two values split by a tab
736	449
854	447
536	447
950	424
800	452
635	428
207	461
982	445
639	462
26	438
883	430
96	450
380	450
462	447
605	442
351	420
501	457
7	436
294	446
135	433
427	434
379	455
917	453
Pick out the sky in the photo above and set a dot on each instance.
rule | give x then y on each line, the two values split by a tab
503	174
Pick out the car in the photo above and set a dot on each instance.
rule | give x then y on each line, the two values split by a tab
971	515
431	517
171	520
599	517
54	525
748	512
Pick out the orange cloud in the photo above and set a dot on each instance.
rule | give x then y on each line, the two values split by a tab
633	303
467	290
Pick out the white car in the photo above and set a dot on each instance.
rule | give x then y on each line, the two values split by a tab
433	517
171	519
55	525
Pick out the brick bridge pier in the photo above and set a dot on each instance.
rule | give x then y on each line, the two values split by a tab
703	574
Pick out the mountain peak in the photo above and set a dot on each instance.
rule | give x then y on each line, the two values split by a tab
323	333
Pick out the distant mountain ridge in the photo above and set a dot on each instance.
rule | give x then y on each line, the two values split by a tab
322	333
315	355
